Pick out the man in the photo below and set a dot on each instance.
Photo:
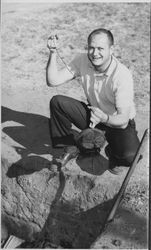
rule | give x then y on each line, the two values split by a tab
108	86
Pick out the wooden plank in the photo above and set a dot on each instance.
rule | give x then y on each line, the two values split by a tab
110	216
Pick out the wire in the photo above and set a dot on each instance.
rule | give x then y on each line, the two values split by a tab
54	38
64	62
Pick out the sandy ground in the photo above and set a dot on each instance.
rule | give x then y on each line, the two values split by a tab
25	28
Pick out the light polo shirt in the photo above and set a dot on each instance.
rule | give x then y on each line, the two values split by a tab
107	91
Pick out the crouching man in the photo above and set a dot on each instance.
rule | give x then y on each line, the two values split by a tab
108	86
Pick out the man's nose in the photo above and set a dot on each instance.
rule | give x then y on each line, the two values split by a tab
95	52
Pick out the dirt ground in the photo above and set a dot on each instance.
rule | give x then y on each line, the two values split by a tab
25	29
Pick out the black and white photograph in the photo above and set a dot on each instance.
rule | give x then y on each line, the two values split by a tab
75	107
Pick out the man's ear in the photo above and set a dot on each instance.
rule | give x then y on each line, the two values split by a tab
111	50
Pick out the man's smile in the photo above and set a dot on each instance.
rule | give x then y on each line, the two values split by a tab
96	58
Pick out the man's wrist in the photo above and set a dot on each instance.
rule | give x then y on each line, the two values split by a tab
53	52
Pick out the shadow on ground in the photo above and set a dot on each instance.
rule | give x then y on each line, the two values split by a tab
33	134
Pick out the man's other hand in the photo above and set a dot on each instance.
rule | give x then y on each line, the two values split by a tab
97	116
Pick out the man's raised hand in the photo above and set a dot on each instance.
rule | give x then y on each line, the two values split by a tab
52	44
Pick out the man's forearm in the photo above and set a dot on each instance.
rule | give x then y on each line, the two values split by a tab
120	120
117	121
52	69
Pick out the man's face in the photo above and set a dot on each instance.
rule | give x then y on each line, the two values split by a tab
99	50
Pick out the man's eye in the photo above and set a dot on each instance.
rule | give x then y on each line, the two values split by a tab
91	50
100	48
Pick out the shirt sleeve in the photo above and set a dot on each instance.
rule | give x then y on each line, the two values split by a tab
124	91
74	65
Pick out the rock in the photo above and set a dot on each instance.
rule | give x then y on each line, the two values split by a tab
62	205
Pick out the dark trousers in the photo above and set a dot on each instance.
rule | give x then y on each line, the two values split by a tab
66	111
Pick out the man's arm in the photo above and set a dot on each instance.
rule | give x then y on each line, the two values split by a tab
120	120
53	75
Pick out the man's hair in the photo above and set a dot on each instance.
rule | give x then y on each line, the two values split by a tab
102	31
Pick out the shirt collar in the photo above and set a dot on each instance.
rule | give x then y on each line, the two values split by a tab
108	72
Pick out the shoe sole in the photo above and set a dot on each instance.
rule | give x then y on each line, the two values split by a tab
118	172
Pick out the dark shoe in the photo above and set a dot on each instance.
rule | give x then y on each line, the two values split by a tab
115	170
65	141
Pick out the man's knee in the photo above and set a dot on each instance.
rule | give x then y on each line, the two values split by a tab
127	159
55	101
